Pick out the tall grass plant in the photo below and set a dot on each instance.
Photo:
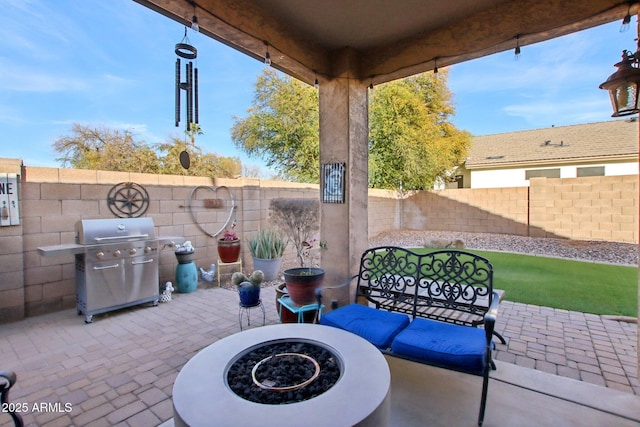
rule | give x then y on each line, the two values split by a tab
267	244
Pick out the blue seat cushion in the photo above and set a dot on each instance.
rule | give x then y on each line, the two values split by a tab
450	346
379	327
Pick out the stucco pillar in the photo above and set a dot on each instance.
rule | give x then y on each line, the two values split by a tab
344	139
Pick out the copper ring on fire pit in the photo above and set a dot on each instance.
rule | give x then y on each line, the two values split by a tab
291	387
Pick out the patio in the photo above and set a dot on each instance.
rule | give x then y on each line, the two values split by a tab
120	369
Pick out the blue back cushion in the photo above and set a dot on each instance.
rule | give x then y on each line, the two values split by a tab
457	347
379	327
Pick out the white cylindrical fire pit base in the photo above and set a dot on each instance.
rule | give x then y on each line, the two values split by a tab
201	396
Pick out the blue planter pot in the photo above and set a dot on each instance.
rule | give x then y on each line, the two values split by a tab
249	294
186	277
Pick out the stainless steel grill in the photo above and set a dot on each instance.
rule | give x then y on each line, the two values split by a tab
116	264
119	267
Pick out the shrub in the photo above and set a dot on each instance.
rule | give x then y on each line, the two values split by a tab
298	219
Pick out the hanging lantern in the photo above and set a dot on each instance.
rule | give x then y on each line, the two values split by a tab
623	86
190	85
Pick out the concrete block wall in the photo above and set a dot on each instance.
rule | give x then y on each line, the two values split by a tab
12	271
590	208
486	210
256	196
53	200
385	211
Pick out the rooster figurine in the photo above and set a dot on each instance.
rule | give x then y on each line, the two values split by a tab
208	276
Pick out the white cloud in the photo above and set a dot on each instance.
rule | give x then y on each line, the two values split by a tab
11	117
549	66
545	112
25	79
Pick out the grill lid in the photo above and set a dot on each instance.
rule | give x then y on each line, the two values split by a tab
103	231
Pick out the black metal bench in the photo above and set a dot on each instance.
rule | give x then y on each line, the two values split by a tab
404	297
7	380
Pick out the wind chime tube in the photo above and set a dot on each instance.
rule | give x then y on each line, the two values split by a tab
177	106
195	94
189	96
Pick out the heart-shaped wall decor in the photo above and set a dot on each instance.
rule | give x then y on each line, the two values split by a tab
206	190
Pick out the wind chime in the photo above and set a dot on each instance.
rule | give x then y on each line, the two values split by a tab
185	50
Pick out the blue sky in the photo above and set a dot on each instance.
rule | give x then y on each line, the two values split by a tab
111	63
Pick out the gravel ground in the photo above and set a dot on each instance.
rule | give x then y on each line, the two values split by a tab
596	251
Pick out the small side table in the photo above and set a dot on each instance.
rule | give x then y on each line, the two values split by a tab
285	301
237	264
245	309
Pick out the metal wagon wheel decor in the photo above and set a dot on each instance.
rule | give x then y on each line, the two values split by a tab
128	200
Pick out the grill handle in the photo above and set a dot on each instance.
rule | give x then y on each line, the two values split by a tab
142	262
135	236
106	267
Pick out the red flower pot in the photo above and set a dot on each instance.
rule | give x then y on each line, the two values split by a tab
229	250
302	284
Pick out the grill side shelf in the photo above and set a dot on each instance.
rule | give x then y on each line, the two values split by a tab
58	250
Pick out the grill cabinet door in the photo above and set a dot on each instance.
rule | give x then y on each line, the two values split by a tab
105	284
141	278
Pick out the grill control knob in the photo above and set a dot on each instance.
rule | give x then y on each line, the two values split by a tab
147	250
100	255
132	251
117	253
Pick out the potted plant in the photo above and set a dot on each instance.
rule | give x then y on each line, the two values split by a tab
229	247
298	219
267	248
248	287
184	252
302	282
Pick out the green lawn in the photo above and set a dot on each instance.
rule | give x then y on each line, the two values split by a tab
571	285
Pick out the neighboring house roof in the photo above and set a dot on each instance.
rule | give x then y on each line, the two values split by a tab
603	141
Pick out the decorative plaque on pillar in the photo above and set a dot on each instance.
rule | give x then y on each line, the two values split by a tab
333	182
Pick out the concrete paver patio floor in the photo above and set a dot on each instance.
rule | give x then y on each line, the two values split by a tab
119	370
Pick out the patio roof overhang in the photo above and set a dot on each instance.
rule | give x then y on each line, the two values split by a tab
388	39
351	44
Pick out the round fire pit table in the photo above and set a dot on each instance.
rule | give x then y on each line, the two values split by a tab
360	397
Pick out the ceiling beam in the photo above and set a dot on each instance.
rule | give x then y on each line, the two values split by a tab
244	26
247	27
487	32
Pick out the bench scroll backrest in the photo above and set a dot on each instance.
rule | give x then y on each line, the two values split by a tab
454	280
448	285
387	278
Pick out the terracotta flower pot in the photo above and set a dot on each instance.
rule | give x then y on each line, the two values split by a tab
285	315
229	250
302	284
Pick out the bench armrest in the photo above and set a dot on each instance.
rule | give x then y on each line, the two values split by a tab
490	316
7	380
318	292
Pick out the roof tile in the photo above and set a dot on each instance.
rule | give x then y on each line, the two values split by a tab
612	138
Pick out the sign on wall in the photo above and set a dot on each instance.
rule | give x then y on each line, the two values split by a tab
9	206
333	182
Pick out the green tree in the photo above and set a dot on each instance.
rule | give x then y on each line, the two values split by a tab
202	164
282	127
411	140
105	149
114	150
